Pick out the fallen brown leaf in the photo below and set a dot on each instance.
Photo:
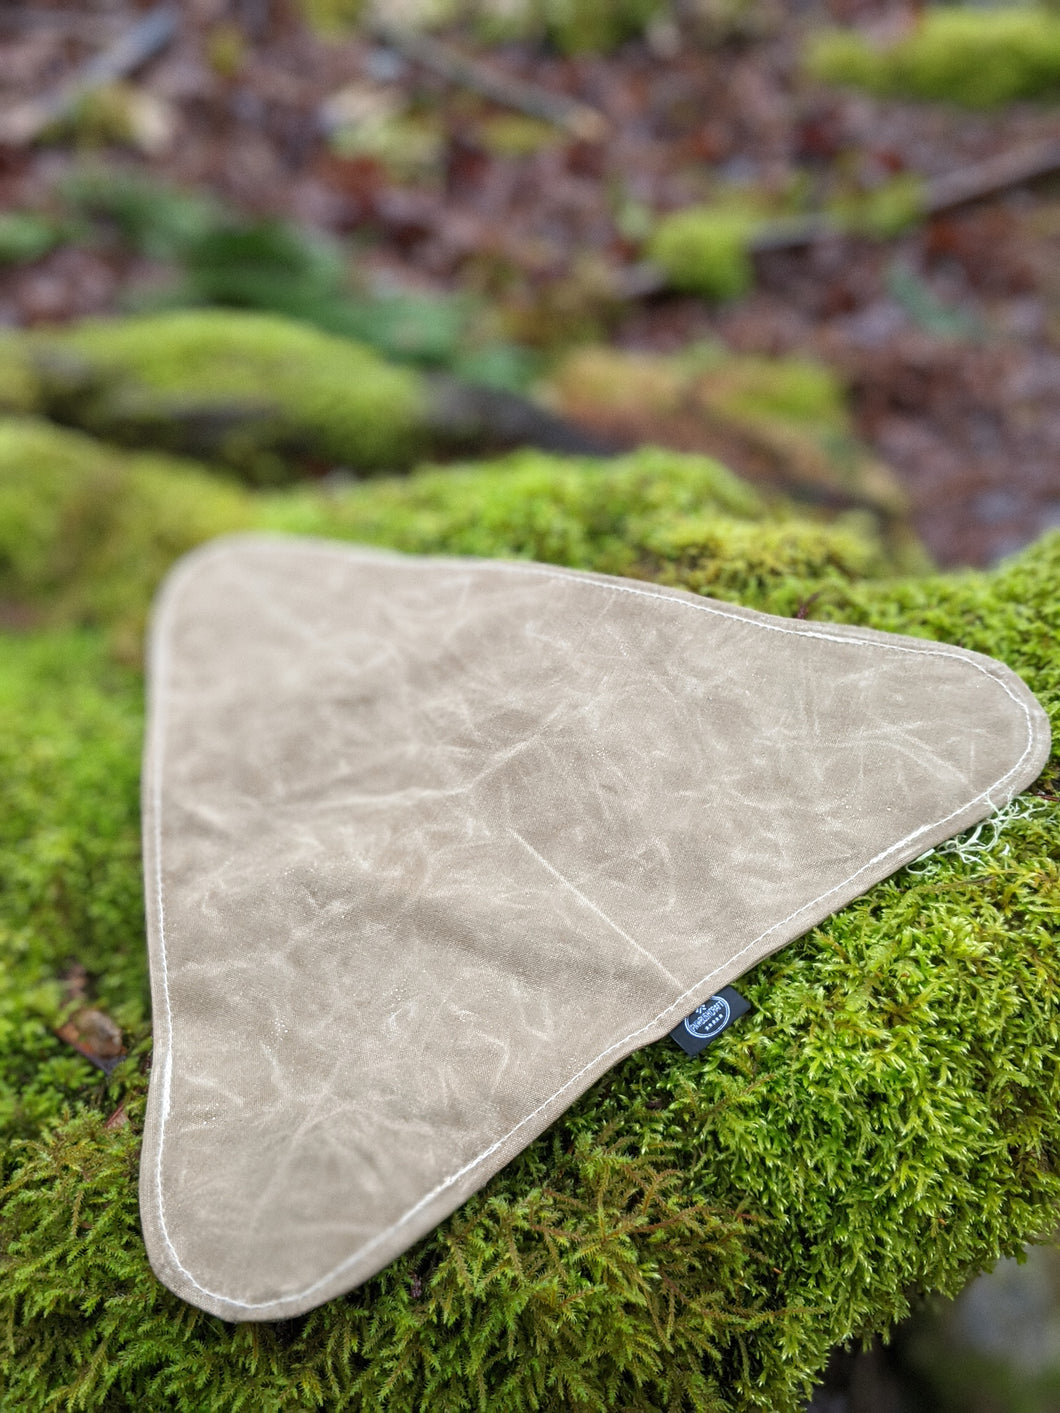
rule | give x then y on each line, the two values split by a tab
94	1035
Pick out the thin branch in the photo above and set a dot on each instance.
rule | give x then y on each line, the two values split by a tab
143	41
578	119
994	175
946	193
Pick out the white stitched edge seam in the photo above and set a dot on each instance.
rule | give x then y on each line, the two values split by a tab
351	552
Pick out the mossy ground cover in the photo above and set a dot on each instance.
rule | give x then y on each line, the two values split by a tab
975	57
692	1234
783	421
707	249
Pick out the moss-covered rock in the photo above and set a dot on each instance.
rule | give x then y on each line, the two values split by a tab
975	57
252	391
692	1234
266	397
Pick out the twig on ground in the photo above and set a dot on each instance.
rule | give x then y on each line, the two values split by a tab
578	119
967	184
995	174
946	193
143	41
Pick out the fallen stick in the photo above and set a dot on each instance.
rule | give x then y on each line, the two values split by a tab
578	119
995	174
945	193
21	125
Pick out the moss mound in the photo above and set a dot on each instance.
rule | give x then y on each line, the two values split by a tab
704	250
783	422
977	58
263	397
251	391
692	1235
87	531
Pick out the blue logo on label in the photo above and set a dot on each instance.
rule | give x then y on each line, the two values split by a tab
710	1019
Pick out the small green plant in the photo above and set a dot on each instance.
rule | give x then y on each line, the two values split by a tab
25	237
157	220
975	57
223	259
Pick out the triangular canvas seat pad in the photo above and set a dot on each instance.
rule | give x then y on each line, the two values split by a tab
431	844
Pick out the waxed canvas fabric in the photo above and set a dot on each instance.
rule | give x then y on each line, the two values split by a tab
431	844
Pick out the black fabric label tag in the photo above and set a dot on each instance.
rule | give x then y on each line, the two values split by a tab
707	1022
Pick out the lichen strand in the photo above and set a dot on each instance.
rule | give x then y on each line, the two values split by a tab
691	1234
977	58
254	391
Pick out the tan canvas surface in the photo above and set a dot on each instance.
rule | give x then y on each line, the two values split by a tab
431	844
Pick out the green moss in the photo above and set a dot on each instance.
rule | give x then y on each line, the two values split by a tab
575	511
87	531
331	18
691	1235
571	26
678	518
19	385
252	390
888	210
70	729
794	389
782	421
704	250
587	27
753	562
978	58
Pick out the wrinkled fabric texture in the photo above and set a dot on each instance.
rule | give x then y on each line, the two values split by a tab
431	844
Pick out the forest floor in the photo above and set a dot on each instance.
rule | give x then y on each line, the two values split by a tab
946	337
